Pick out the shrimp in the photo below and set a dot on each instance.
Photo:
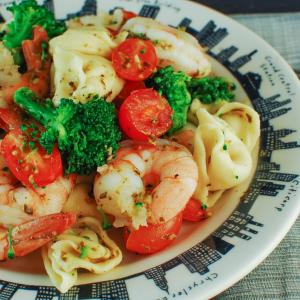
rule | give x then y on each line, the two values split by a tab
185	136
173	47
43	200
37	77
31	235
146	183
19	204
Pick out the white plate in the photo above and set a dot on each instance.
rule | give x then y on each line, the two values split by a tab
210	257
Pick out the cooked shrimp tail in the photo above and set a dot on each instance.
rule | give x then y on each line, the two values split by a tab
29	236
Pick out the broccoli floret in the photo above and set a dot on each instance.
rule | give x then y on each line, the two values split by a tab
26	15
87	134
211	89
173	86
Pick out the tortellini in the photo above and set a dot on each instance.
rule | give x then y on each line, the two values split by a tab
102	19
80	76
222	147
81	202
81	68
85	246
243	120
86	40
8	70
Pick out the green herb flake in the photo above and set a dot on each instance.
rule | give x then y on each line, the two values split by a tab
105	222
32	145
10	253
203	206
236	177
20	161
225	147
84	251
45	54
139	204
24	144
143	51
31	180
156	42
23	127
141	36
5	169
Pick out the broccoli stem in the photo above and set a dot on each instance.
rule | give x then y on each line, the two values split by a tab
26	99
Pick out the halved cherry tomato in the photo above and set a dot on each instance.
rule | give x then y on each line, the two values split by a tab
145	114
28	161
194	212
128	15
134	59
9	119
153	238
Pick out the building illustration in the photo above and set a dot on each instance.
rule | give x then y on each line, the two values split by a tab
89	8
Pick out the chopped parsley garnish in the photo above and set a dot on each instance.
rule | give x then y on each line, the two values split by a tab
5	169
203	206
141	36
84	251
139	204
105	222
32	145
11	252
45	54
225	147
23	127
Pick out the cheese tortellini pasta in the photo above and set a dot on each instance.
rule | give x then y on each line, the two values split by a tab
80	76
81	201
8	70
243	120
86	40
85	246
102	19
81	67
225	135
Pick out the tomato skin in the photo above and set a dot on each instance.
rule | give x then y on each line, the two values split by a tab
153	238
194	212
33	167
134	59
145	114
9	119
